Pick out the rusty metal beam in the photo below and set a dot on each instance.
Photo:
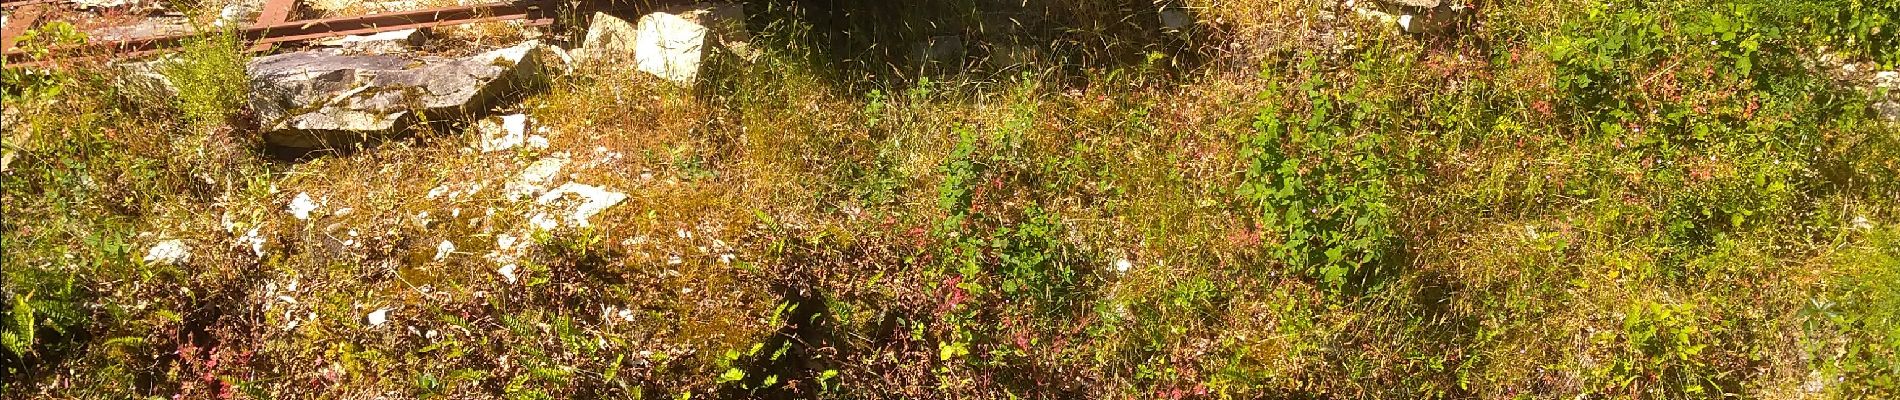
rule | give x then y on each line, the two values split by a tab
17	24
23	3
274	12
291	31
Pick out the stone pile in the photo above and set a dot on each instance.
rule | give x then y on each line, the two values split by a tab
366	88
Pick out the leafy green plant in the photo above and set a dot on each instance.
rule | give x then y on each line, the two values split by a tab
1318	181
208	73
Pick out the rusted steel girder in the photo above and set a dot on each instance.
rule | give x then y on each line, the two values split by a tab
263	34
23	3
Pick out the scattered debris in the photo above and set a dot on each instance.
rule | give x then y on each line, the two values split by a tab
169	252
508	273
535	178
592	200
378	317
506	132
255	241
301	206
443	250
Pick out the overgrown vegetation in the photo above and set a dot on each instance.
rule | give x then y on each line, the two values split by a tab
1571	199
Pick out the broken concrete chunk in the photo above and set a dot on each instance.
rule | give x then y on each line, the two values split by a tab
322	99
677	44
146	80
609	40
576	203
502	132
535	178
169	252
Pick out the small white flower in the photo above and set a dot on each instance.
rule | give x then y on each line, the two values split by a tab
378	317
443	250
1123	265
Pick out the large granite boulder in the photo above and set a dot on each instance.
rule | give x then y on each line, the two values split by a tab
323	98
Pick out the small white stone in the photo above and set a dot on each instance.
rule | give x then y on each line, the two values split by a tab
535	178
502	133
443	250
593	200
301	206
1123	265
378	317
1861	222
507	273
169	252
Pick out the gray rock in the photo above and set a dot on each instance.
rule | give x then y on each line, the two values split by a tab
939	54
676	44
1889	80
168	252
145	81
609	39
321	98
1175	19
1888	110
506	132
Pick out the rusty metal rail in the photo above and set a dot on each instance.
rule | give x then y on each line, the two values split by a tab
274	27
23	3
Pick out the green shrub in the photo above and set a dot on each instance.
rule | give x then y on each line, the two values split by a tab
208	73
1318	179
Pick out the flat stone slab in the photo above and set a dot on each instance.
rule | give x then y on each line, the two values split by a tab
323	98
